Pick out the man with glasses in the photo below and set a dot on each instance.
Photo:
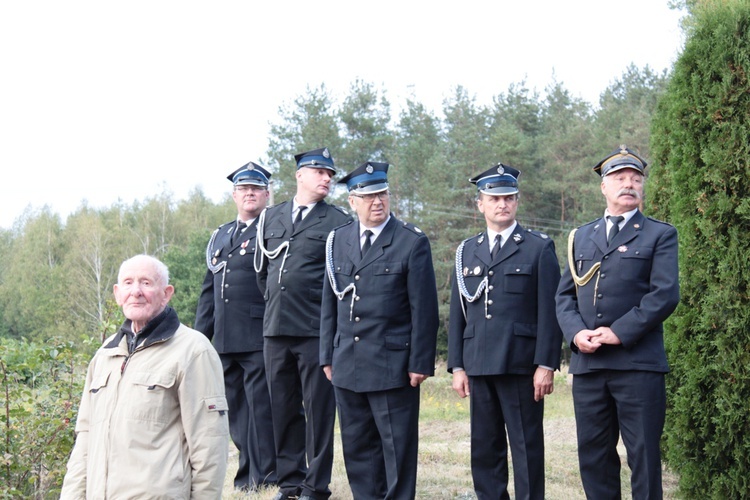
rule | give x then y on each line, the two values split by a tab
230	312
378	333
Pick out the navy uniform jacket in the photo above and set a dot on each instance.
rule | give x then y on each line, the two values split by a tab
230	307
394	320
293	292
522	331
636	290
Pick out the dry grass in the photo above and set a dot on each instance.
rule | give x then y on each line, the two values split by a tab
444	449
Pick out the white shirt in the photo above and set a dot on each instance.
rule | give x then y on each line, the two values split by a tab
375	232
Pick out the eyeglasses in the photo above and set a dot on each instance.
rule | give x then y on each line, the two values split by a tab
370	197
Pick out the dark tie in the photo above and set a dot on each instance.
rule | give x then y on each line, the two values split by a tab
496	248
298	219
238	231
368	243
615	220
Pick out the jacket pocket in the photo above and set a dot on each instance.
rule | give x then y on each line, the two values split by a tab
154	396
518	278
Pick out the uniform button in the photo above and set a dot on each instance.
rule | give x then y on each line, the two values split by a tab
357	297
637	252
491	287
599	296
518	270
489	316
283	288
229	270
580	255
599	315
230	255
356	277
387	270
338	268
226	286
356	319
356	339
491	273
489	302
291	239
603	275
284	271
606	257
226	301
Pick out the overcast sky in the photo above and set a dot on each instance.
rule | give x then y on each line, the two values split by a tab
104	100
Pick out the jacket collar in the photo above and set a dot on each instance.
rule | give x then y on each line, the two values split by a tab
159	329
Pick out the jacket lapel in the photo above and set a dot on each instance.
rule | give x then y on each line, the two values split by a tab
383	240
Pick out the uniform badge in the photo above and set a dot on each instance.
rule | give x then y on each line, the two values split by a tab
217	252
466	271
481	239
517	237
636	226
213	261
416	229
477	270
369	169
243	247
622	249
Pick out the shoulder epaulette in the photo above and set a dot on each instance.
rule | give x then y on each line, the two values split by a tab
411	227
538	234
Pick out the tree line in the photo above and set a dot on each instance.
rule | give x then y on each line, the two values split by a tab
56	275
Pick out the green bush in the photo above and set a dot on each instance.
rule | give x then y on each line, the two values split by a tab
41	385
701	146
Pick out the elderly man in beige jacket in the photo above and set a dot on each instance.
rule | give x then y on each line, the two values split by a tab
153	416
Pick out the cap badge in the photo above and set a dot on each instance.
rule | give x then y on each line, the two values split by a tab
251	167
326	154
369	169
623	149
622	249
500	170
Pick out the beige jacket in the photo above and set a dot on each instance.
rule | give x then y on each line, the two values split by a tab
152	426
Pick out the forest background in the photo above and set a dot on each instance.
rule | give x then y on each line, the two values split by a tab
56	275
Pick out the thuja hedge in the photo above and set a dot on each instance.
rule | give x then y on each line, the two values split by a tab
700	145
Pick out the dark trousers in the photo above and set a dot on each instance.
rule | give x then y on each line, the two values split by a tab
500	403
379	436
250	423
304	410
609	403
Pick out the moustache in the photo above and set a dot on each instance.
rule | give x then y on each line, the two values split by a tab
631	192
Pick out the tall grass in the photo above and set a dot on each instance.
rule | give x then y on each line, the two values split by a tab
444	449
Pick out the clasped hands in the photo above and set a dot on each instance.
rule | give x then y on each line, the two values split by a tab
588	341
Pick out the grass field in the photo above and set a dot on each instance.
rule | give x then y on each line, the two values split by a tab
444	450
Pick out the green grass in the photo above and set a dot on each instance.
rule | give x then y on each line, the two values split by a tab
444	449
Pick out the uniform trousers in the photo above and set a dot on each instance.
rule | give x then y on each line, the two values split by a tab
380	436
304	410
500	402
250	424
610	402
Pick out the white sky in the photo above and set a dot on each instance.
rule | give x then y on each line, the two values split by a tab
103	100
